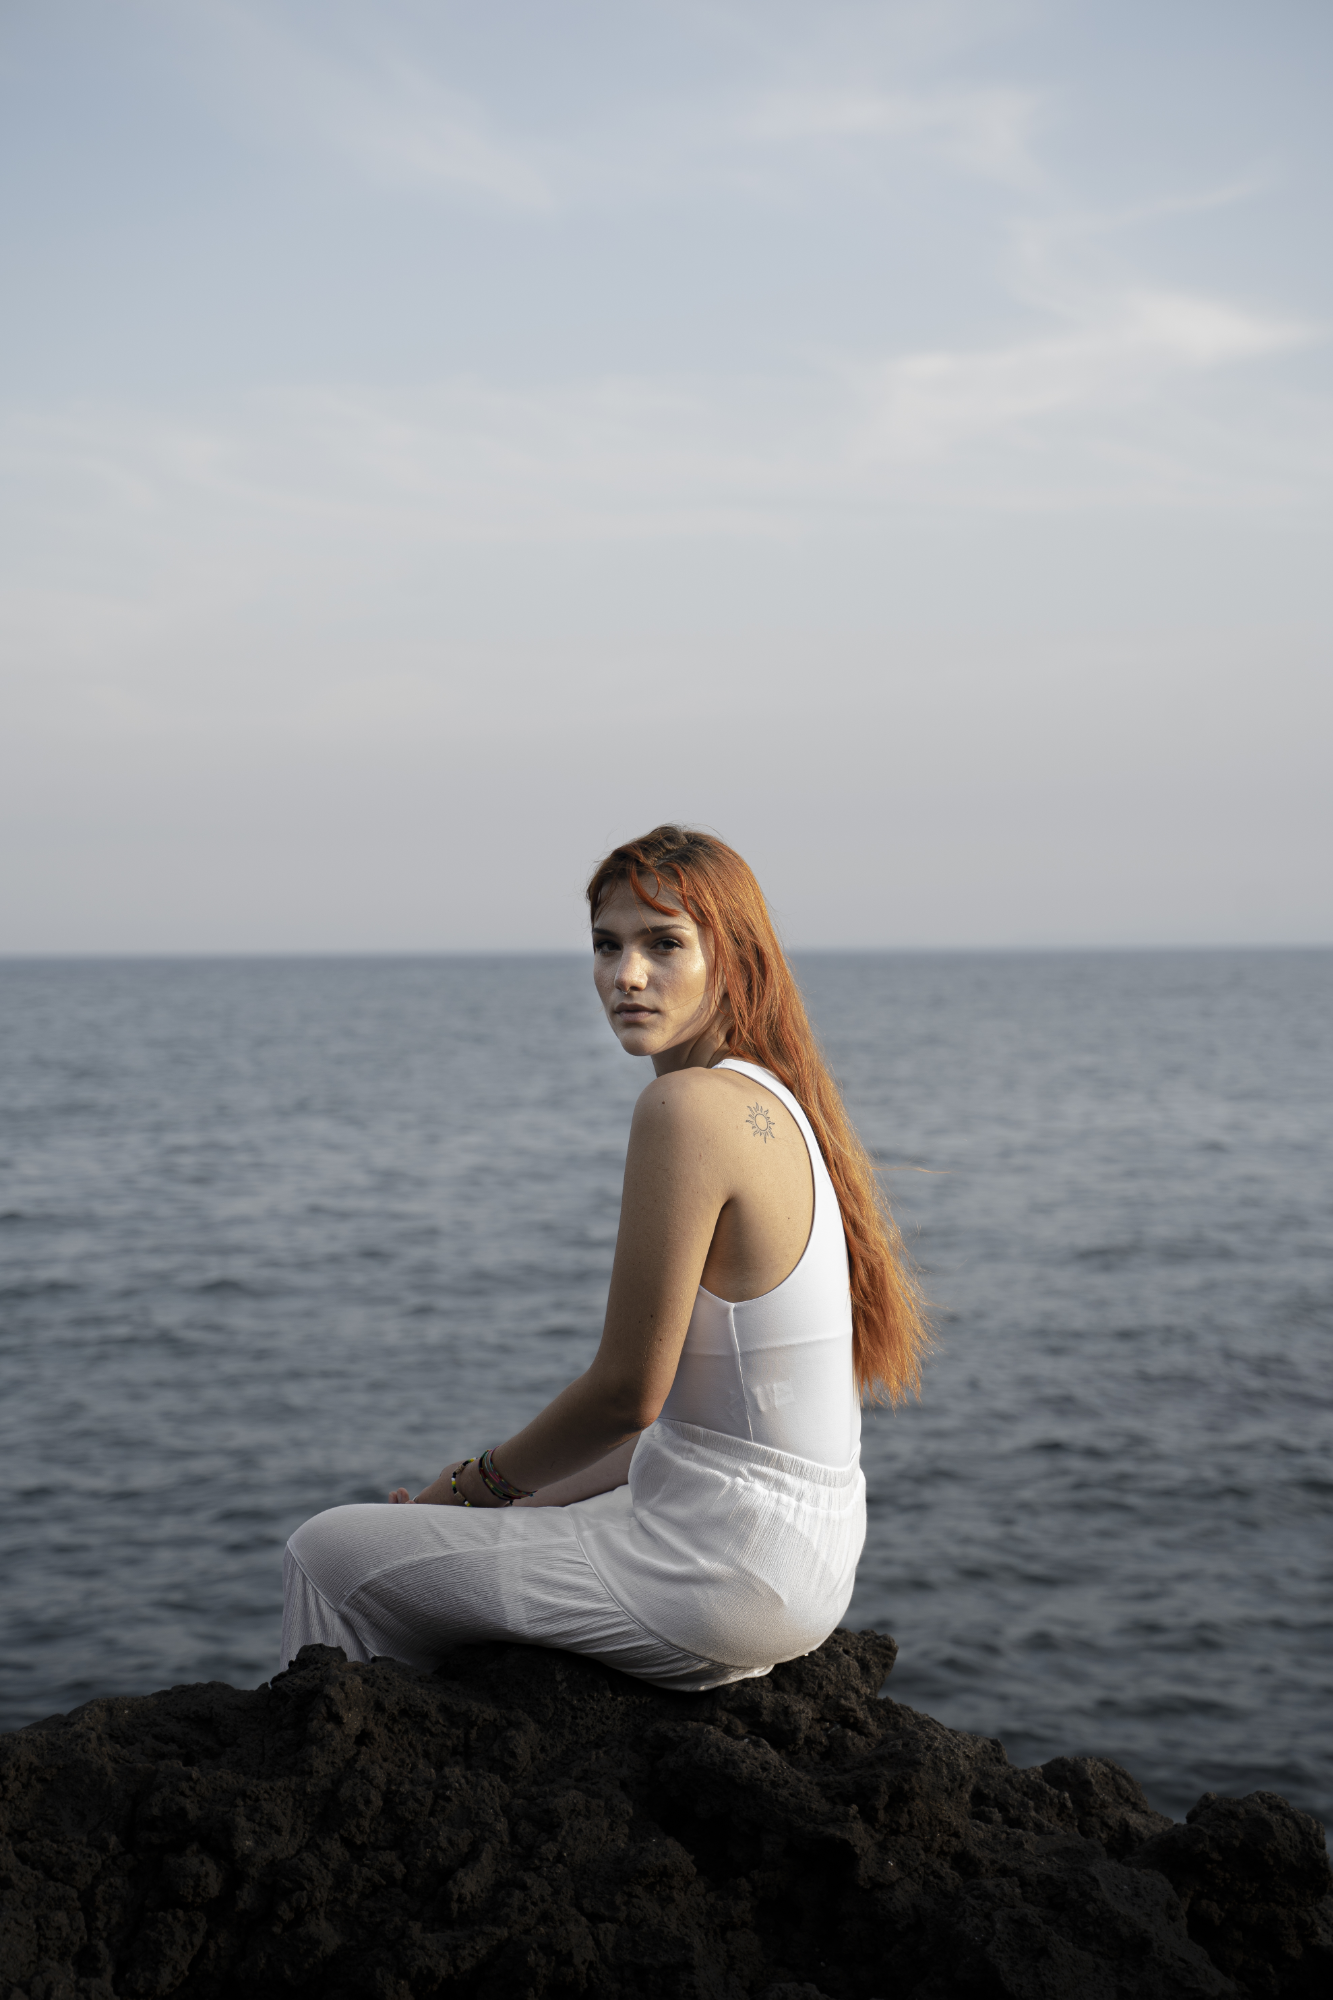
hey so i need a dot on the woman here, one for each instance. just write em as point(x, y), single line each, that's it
point(691, 1509)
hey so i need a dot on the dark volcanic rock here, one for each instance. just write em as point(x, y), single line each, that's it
point(1252, 1876)
point(523, 1823)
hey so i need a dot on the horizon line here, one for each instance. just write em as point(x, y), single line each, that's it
point(417, 954)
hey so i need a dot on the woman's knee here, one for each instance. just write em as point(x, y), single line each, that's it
point(332, 1547)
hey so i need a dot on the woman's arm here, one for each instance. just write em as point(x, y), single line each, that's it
point(602, 1476)
point(679, 1173)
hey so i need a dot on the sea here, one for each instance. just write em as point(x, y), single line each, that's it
point(278, 1234)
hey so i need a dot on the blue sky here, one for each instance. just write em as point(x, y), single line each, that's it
point(438, 441)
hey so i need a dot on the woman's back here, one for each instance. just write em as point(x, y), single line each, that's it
point(777, 1368)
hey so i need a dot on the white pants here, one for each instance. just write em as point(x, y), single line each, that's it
point(409, 1582)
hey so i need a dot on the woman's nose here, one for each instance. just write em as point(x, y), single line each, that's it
point(631, 971)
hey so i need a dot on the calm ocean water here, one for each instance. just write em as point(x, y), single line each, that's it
point(276, 1235)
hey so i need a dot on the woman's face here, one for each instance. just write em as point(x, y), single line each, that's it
point(653, 971)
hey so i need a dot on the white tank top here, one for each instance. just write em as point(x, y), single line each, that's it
point(778, 1369)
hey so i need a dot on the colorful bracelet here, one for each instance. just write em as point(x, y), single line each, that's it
point(497, 1485)
point(453, 1481)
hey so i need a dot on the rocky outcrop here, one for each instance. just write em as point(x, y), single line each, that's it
point(522, 1823)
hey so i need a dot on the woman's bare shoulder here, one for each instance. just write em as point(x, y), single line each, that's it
point(686, 1092)
point(694, 1101)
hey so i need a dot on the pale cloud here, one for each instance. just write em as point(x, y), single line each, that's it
point(368, 86)
point(138, 523)
point(1114, 355)
point(989, 130)
point(408, 130)
point(383, 109)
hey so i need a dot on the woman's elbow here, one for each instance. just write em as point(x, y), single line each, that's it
point(630, 1406)
point(635, 1414)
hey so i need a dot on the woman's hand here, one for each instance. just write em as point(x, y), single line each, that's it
point(472, 1489)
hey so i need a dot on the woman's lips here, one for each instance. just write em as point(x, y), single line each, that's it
point(632, 1013)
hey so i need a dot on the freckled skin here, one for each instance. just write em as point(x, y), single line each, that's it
point(718, 1191)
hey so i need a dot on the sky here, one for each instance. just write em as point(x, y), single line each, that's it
point(439, 441)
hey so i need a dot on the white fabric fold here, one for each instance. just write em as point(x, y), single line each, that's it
point(729, 1549)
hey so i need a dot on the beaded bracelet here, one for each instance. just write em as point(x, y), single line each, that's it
point(497, 1485)
point(453, 1481)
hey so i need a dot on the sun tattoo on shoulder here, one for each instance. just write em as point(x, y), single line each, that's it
point(760, 1121)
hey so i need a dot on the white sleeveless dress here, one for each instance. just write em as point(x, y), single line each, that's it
point(733, 1546)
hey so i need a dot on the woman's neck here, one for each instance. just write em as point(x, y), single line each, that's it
point(706, 1050)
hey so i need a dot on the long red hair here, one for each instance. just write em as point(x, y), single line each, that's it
point(769, 1026)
